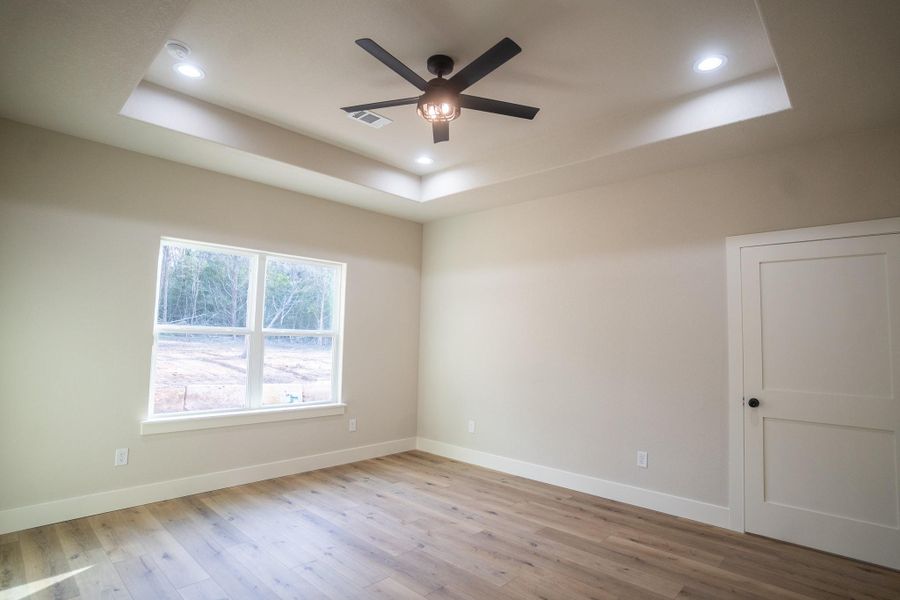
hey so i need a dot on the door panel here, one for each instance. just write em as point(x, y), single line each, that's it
point(821, 321)
point(825, 325)
point(833, 482)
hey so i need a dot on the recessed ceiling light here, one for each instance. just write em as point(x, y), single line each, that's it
point(710, 63)
point(189, 70)
point(424, 160)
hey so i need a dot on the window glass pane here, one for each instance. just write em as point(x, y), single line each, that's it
point(202, 287)
point(199, 372)
point(297, 370)
point(299, 295)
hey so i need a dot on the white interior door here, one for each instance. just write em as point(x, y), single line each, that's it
point(821, 336)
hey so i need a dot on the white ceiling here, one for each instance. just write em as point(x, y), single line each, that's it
point(613, 79)
point(581, 61)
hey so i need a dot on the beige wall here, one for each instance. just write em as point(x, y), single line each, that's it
point(79, 234)
point(579, 329)
point(575, 330)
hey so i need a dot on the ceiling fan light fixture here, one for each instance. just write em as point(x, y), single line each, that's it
point(438, 111)
point(439, 103)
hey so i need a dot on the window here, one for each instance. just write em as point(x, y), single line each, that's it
point(239, 330)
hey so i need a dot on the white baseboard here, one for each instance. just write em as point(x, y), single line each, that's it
point(679, 506)
point(25, 517)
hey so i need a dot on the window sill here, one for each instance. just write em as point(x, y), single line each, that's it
point(244, 417)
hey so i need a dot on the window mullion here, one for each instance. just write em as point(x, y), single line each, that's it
point(302, 332)
point(257, 342)
point(337, 357)
point(200, 329)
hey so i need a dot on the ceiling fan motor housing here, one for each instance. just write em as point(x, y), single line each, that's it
point(440, 65)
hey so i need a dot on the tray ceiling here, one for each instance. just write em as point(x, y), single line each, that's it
point(613, 79)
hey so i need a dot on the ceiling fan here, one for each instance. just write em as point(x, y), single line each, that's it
point(443, 100)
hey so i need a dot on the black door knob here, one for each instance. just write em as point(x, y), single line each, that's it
point(752, 402)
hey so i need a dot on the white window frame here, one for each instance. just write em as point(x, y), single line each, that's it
point(255, 334)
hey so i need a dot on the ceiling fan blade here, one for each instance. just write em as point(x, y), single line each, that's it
point(497, 106)
point(391, 62)
point(504, 50)
point(441, 131)
point(385, 104)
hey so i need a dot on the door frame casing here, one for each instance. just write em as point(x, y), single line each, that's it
point(733, 247)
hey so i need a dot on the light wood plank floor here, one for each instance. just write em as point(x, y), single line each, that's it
point(413, 526)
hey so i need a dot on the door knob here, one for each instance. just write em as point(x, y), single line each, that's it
point(752, 402)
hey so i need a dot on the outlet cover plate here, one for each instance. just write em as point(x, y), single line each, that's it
point(642, 459)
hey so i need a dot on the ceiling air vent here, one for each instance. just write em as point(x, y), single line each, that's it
point(369, 118)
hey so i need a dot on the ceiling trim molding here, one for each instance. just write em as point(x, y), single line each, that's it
point(156, 105)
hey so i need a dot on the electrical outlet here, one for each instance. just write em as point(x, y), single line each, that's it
point(352, 424)
point(642, 459)
point(471, 426)
point(121, 457)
